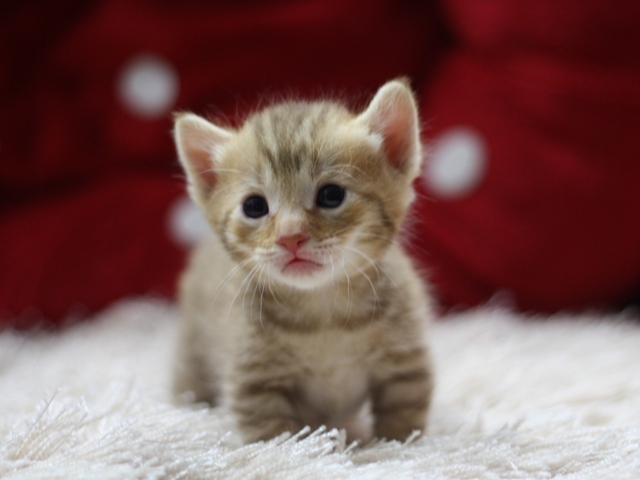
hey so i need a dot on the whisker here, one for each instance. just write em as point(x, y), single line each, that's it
point(254, 272)
point(240, 287)
point(366, 257)
point(390, 241)
point(344, 169)
point(261, 299)
point(376, 299)
point(230, 170)
point(255, 290)
point(335, 299)
point(341, 172)
point(333, 267)
point(379, 268)
point(273, 294)
point(218, 192)
point(260, 285)
point(349, 292)
point(224, 282)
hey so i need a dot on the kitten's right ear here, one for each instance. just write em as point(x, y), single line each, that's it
point(392, 116)
point(199, 143)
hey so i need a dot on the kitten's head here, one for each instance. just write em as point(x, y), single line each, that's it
point(306, 193)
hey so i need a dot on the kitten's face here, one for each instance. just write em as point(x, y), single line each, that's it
point(306, 194)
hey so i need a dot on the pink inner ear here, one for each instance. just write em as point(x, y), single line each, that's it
point(204, 170)
point(201, 161)
point(397, 133)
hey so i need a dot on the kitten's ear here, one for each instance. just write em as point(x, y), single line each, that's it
point(199, 143)
point(393, 117)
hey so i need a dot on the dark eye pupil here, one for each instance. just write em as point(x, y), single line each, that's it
point(330, 196)
point(255, 207)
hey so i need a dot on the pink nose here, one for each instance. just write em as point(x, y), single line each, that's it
point(293, 242)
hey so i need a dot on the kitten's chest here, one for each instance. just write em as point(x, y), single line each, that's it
point(333, 370)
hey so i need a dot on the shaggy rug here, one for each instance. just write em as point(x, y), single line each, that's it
point(516, 398)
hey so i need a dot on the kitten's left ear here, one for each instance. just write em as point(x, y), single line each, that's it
point(199, 143)
point(392, 115)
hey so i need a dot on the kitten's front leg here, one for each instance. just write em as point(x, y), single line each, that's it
point(194, 372)
point(401, 394)
point(264, 408)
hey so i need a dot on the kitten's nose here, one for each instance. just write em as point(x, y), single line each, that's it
point(293, 242)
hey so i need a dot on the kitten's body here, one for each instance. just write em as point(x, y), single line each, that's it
point(302, 315)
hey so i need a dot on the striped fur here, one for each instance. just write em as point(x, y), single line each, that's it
point(285, 348)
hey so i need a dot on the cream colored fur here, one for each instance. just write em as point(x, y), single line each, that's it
point(340, 335)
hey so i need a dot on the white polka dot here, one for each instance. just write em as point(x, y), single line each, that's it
point(456, 163)
point(187, 224)
point(148, 86)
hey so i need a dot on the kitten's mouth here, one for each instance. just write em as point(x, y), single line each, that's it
point(301, 266)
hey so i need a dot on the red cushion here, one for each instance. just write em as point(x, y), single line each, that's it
point(78, 252)
point(87, 177)
point(542, 99)
point(552, 88)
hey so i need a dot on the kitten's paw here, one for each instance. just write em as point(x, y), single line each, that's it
point(400, 427)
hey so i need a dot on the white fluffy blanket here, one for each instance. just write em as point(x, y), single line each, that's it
point(515, 398)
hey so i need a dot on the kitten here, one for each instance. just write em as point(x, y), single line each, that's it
point(303, 308)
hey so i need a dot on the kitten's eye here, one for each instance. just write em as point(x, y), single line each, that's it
point(330, 196)
point(255, 207)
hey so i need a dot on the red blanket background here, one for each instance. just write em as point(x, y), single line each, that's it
point(542, 98)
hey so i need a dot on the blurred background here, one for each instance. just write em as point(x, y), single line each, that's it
point(531, 117)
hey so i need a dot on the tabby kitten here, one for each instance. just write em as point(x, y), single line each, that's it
point(302, 308)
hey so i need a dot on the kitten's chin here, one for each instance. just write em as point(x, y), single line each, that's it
point(300, 267)
point(303, 274)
